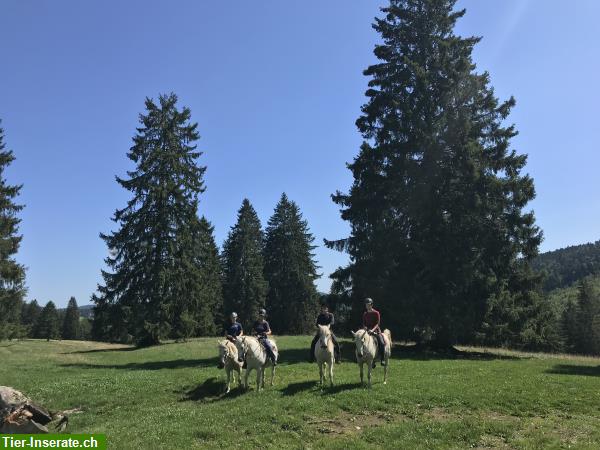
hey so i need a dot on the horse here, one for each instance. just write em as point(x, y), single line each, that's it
point(367, 351)
point(324, 353)
point(257, 359)
point(228, 359)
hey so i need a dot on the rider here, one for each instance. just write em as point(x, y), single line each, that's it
point(233, 330)
point(261, 330)
point(325, 318)
point(371, 319)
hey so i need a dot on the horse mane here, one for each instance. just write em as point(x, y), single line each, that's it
point(324, 328)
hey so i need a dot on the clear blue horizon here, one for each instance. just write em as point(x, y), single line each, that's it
point(275, 88)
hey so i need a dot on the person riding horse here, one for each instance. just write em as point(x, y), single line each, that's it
point(261, 330)
point(371, 320)
point(325, 318)
point(233, 330)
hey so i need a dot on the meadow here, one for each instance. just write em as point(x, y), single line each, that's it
point(171, 396)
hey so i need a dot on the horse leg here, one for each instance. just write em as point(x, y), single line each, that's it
point(320, 373)
point(385, 369)
point(272, 375)
point(258, 379)
point(228, 379)
point(362, 381)
point(239, 376)
point(331, 362)
point(369, 369)
point(246, 378)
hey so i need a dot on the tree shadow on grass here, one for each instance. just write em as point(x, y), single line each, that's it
point(567, 369)
point(152, 365)
point(103, 350)
point(295, 388)
point(399, 352)
point(130, 348)
point(422, 353)
point(211, 390)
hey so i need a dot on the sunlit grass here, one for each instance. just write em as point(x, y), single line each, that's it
point(171, 396)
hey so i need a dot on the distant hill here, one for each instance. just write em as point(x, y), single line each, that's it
point(565, 266)
point(86, 311)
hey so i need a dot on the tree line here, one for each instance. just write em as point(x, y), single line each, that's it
point(49, 322)
point(441, 232)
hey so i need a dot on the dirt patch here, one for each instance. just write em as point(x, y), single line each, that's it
point(347, 423)
point(494, 442)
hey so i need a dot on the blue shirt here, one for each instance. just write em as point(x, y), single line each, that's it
point(261, 327)
point(235, 329)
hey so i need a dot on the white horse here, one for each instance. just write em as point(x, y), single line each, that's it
point(228, 358)
point(367, 351)
point(257, 359)
point(324, 353)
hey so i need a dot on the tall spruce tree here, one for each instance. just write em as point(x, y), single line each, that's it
point(47, 326)
point(437, 217)
point(150, 256)
point(290, 270)
point(199, 315)
point(12, 274)
point(587, 330)
point(70, 325)
point(244, 285)
point(30, 313)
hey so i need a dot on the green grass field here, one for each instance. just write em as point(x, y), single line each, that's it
point(170, 396)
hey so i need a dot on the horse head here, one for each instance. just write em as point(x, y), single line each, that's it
point(223, 353)
point(324, 335)
point(360, 339)
point(240, 344)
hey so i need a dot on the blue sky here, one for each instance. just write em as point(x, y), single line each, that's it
point(275, 88)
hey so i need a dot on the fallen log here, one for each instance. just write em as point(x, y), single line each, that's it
point(19, 415)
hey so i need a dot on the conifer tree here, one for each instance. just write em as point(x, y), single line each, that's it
point(587, 332)
point(29, 316)
point(200, 314)
point(436, 209)
point(144, 289)
point(290, 270)
point(12, 274)
point(244, 285)
point(70, 326)
point(47, 326)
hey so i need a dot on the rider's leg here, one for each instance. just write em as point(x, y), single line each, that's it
point(269, 350)
point(336, 349)
point(311, 357)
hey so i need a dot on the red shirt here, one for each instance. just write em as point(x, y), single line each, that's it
point(371, 319)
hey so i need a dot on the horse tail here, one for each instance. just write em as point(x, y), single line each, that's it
point(388, 334)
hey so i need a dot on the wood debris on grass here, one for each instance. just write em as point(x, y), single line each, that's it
point(19, 415)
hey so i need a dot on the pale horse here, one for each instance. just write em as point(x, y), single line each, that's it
point(324, 353)
point(257, 359)
point(367, 351)
point(228, 359)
